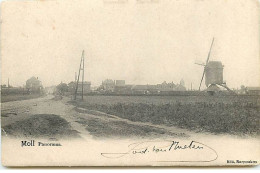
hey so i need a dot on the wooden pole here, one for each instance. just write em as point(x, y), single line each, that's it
point(75, 82)
point(82, 75)
point(76, 90)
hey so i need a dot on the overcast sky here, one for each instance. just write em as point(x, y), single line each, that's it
point(141, 43)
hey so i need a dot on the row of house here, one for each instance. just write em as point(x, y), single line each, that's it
point(120, 87)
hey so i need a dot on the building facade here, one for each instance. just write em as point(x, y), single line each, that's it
point(86, 87)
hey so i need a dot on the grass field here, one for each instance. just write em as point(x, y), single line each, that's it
point(238, 115)
point(101, 99)
point(16, 97)
point(41, 126)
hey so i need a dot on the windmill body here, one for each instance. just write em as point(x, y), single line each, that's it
point(213, 72)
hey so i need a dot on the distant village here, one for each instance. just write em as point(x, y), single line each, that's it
point(107, 87)
point(110, 86)
point(32, 86)
point(120, 87)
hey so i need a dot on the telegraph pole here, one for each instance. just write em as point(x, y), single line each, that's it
point(75, 78)
point(81, 68)
point(75, 83)
point(82, 75)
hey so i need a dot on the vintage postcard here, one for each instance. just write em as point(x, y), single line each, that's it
point(130, 83)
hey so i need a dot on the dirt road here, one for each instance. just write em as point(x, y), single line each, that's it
point(87, 125)
point(51, 119)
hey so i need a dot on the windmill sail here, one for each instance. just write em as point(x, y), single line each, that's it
point(206, 63)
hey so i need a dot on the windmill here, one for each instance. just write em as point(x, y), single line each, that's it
point(213, 72)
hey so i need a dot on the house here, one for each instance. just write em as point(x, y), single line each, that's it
point(86, 87)
point(120, 83)
point(152, 89)
point(139, 89)
point(253, 90)
point(166, 86)
point(126, 89)
point(50, 89)
point(34, 85)
point(108, 85)
point(180, 88)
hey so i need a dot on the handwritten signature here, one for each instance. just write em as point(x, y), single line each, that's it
point(169, 147)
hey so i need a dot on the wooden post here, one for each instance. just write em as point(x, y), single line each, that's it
point(82, 75)
point(80, 68)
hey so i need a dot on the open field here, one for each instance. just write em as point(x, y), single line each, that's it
point(239, 115)
point(16, 97)
point(102, 99)
point(53, 118)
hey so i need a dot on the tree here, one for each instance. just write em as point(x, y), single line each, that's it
point(34, 85)
point(62, 88)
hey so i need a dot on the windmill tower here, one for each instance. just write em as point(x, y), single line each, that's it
point(213, 72)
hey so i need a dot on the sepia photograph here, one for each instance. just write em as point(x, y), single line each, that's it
point(130, 83)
